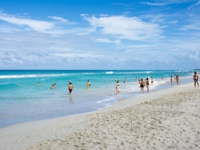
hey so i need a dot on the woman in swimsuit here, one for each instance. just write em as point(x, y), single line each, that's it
point(196, 78)
point(117, 87)
point(142, 85)
point(147, 84)
point(171, 80)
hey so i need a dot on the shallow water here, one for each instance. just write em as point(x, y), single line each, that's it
point(21, 100)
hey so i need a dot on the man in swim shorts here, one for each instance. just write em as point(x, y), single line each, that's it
point(70, 87)
point(195, 78)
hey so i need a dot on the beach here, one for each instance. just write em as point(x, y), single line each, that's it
point(23, 100)
point(166, 119)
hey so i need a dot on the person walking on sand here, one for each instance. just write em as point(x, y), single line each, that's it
point(70, 87)
point(142, 85)
point(196, 78)
point(147, 84)
point(117, 88)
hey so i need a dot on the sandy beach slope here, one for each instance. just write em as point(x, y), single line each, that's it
point(167, 119)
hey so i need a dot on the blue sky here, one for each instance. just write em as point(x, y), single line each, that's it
point(99, 34)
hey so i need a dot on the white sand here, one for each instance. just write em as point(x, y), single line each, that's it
point(167, 119)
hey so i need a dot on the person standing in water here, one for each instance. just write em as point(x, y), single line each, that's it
point(52, 87)
point(70, 87)
point(177, 79)
point(142, 85)
point(196, 78)
point(88, 84)
point(117, 87)
point(151, 80)
point(38, 84)
point(171, 80)
point(124, 80)
point(147, 84)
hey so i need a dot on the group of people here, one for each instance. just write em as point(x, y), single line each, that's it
point(142, 83)
point(70, 86)
point(176, 79)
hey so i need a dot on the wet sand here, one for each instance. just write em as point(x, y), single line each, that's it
point(166, 119)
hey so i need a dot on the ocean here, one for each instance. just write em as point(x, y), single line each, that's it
point(21, 100)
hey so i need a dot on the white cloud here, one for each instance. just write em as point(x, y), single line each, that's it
point(198, 3)
point(196, 56)
point(36, 25)
point(104, 40)
point(174, 22)
point(193, 26)
point(154, 4)
point(164, 2)
point(72, 55)
point(61, 20)
point(122, 27)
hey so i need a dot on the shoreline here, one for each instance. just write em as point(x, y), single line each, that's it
point(116, 98)
point(57, 103)
point(32, 133)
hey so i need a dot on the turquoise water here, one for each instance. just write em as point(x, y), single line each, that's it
point(21, 100)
